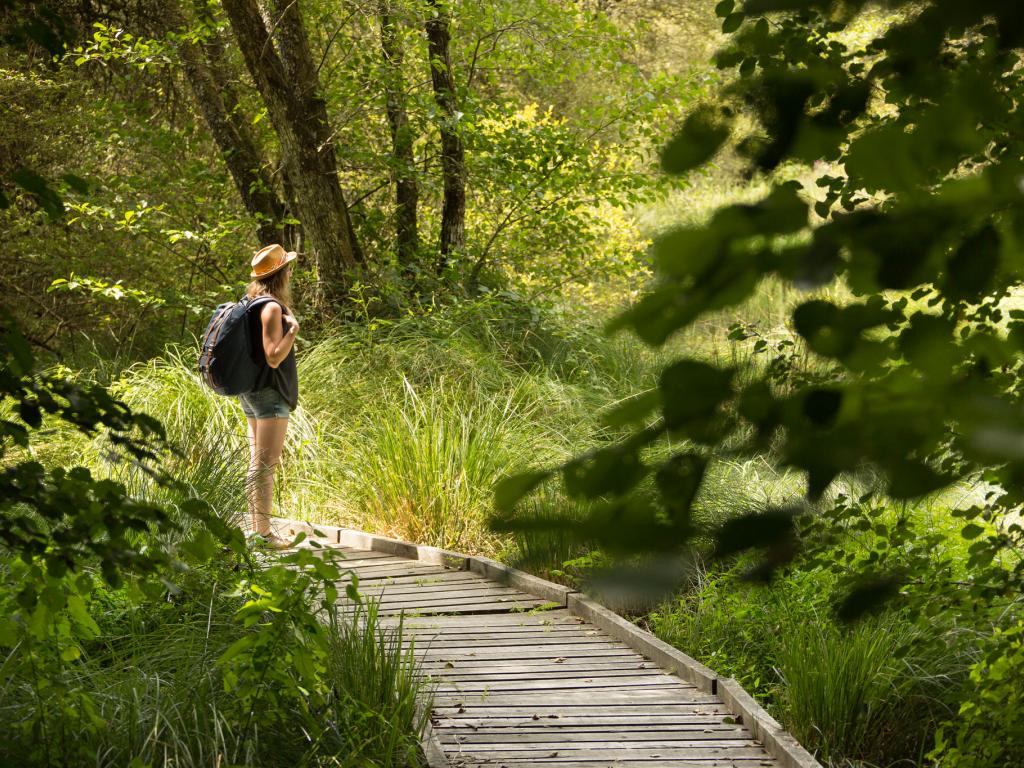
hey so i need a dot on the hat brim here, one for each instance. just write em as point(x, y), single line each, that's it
point(288, 259)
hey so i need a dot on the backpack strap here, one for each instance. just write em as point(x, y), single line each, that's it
point(257, 302)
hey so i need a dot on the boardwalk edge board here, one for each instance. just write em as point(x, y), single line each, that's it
point(658, 651)
point(777, 741)
point(766, 729)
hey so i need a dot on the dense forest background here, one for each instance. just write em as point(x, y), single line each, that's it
point(464, 150)
point(710, 309)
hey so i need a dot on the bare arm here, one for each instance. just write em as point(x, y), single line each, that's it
point(277, 342)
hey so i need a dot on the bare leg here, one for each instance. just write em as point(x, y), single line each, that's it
point(269, 442)
point(250, 489)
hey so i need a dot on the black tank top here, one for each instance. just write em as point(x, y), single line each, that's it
point(284, 378)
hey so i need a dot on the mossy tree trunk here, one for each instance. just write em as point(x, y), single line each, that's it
point(404, 173)
point(282, 68)
point(453, 153)
point(210, 80)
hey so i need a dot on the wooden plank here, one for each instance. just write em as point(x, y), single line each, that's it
point(609, 750)
point(445, 577)
point(349, 555)
point(445, 640)
point(540, 619)
point(454, 608)
point(432, 589)
point(529, 725)
point(364, 567)
point(544, 650)
point(511, 633)
point(515, 667)
point(545, 699)
point(639, 711)
point(464, 678)
point(595, 685)
point(466, 603)
point(440, 665)
point(459, 672)
point(451, 598)
point(370, 572)
point(733, 736)
point(550, 653)
point(630, 762)
point(502, 642)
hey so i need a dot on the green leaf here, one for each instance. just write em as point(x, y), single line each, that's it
point(685, 251)
point(678, 481)
point(692, 390)
point(732, 22)
point(77, 183)
point(236, 648)
point(201, 545)
point(912, 479)
point(37, 187)
point(724, 8)
point(612, 470)
point(633, 409)
point(868, 597)
point(86, 625)
point(352, 592)
point(509, 490)
point(821, 406)
point(971, 531)
point(752, 530)
point(972, 268)
point(702, 134)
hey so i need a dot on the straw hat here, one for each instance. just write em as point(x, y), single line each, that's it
point(271, 259)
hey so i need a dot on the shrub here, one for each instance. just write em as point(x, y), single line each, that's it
point(988, 729)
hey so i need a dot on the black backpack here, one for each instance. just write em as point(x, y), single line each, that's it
point(227, 360)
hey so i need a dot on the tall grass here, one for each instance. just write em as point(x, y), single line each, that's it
point(428, 462)
point(378, 687)
point(875, 691)
point(405, 430)
point(160, 699)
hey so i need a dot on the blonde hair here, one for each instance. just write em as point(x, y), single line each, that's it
point(277, 285)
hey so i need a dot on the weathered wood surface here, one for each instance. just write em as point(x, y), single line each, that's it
point(518, 681)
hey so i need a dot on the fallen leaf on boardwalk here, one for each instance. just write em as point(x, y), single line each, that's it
point(536, 717)
point(553, 754)
point(560, 660)
point(449, 665)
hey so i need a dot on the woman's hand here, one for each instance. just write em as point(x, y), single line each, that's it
point(293, 325)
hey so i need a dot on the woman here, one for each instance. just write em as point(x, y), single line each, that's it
point(277, 386)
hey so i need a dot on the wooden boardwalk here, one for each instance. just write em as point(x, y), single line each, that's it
point(521, 677)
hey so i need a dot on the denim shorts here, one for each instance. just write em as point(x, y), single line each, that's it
point(264, 403)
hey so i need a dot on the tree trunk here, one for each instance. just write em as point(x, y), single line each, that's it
point(209, 81)
point(288, 82)
point(453, 154)
point(406, 190)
